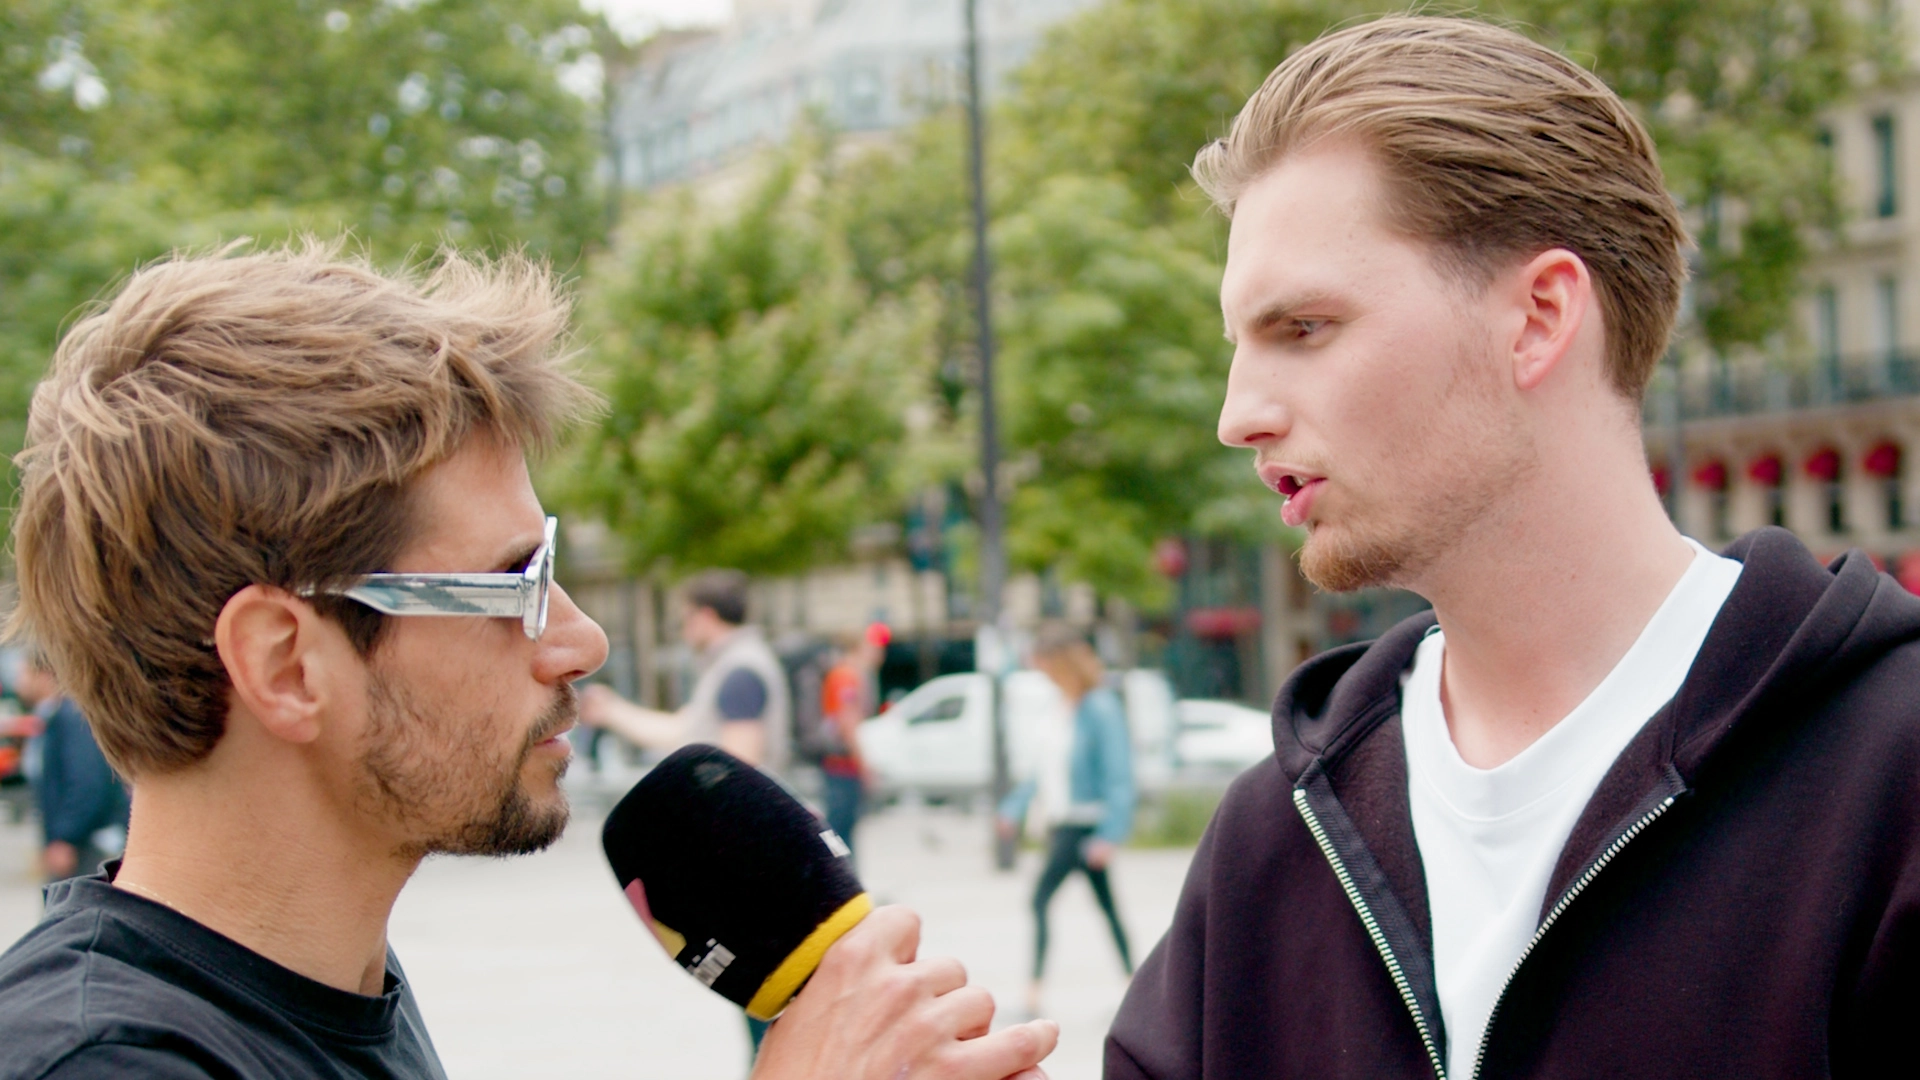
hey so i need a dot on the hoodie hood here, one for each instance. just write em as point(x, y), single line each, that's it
point(1790, 628)
point(1738, 896)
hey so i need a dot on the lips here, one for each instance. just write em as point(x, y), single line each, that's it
point(1299, 502)
point(1296, 486)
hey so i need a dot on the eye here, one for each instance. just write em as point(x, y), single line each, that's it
point(1301, 328)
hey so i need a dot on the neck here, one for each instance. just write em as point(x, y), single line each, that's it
point(241, 859)
point(1543, 601)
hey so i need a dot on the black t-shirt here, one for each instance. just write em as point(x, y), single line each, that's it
point(112, 985)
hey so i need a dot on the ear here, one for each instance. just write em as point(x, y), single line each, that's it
point(1555, 295)
point(280, 658)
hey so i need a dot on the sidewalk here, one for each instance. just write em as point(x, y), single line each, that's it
point(535, 967)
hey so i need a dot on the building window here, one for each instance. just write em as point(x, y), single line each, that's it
point(1886, 172)
point(1883, 464)
point(1887, 316)
point(1824, 467)
point(1826, 339)
point(1711, 477)
point(1767, 473)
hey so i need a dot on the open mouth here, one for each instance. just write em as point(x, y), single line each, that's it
point(1299, 491)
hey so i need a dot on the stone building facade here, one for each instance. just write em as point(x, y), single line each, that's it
point(1817, 433)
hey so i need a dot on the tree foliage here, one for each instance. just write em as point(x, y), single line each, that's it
point(786, 368)
point(1733, 92)
point(129, 128)
point(759, 392)
point(1108, 260)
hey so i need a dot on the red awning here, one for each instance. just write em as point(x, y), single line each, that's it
point(1766, 470)
point(1883, 460)
point(1711, 475)
point(1824, 464)
point(1223, 622)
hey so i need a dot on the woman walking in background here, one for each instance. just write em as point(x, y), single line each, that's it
point(1083, 789)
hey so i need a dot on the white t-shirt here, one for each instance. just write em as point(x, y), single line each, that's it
point(1489, 838)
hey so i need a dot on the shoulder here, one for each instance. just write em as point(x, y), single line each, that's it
point(113, 1061)
point(43, 982)
point(84, 995)
point(742, 695)
point(743, 680)
point(63, 995)
point(1103, 704)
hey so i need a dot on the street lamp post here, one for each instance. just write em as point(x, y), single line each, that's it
point(993, 555)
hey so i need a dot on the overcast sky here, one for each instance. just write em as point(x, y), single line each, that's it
point(635, 19)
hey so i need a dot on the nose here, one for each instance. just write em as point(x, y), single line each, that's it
point(573, 646)
point(1252, 413)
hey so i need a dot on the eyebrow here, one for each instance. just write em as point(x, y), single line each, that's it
point(1278, 311)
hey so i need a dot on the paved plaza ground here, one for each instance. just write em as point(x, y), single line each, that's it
point(535, 967)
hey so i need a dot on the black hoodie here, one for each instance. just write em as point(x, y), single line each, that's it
point(1741, 896)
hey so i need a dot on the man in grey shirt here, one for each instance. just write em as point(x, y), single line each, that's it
point(740, 700)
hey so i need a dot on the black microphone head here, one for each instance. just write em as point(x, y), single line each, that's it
point(744, 886)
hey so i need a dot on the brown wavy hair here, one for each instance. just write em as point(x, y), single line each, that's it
point(1493, 149)
point(254, 417)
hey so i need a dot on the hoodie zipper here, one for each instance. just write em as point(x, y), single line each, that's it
point(1400, 981)
point(1566, 898)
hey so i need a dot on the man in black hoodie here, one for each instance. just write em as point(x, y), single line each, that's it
point(1619, 805)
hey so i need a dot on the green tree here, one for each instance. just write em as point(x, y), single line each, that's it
point(406, 122)
point(759, 392)
point(129, 128)
point(1114, 367)
point(1733, 92)
point(1108, 257)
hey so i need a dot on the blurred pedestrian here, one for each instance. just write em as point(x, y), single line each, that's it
point(739, 702)
point(848, 696)
point(1083, 789)
point(83, 807)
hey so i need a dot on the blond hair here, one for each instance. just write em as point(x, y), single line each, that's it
point(1064, 654)
point(1493, 148)
point(245, 418)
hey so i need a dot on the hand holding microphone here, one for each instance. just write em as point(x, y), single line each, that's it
point(874, 1012)
point(754, 897)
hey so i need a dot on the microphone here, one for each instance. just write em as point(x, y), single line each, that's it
point(743, 886)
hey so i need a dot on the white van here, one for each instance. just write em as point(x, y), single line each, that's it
point(937, 742)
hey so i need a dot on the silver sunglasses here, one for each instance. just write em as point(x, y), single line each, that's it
point(521, 595)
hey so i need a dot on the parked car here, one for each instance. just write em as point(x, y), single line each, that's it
point(1224, 735)
point(937, 741)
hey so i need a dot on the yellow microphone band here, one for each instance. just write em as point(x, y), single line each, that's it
point(785, 981)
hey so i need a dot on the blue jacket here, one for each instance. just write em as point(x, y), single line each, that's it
point(78, 793)
point(1100, 769)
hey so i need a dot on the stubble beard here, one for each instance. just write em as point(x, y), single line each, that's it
point(1464, 470)
point(416, 763)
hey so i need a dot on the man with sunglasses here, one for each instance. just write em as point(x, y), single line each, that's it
point(277, 535)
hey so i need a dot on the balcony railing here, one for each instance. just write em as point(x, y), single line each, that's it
point(1747, 390)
